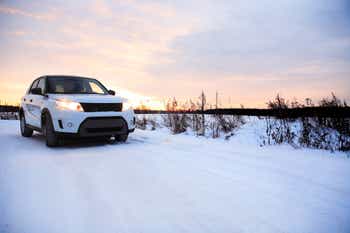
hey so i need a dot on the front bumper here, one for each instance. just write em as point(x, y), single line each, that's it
point(100, 126)
point(86, 124)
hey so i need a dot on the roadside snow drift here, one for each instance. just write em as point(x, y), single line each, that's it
point(157, 182)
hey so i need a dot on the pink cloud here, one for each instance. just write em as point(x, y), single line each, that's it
point(38, 16)
point(17, 33)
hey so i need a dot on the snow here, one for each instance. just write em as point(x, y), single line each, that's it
point(158, 182)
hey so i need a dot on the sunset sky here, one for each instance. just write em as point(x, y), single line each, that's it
point(149, 51)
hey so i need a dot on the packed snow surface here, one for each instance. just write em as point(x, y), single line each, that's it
point(158, 182)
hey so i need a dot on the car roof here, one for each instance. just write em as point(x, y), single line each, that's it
point(64, 76)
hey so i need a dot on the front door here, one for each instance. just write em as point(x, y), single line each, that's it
point(29, 107)
point(37, 103)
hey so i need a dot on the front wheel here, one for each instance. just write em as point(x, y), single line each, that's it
point(52, 139)
point(25, 131)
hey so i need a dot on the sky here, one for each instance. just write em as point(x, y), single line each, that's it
point(149, 51)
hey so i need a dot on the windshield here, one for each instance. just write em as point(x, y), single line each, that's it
point(75, 85)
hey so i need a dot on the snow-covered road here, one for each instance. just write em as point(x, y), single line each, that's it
point(158, 182)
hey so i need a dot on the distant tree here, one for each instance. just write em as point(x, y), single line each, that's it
point(308, 102)
point(278, 103)
point(202, 104)
point(296, 104)
point(334, 101)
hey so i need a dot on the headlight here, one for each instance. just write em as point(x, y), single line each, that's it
point(69, 105)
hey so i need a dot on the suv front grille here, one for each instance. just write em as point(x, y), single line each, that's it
point(102, 126)
point(102, 107)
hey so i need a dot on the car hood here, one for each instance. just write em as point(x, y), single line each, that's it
point(88, 98)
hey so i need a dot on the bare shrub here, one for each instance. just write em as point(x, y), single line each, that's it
point(176, 122)
point(202, 104)
point(215, 126)
point(278, 103)
point(153, 124)
point(278, 131)
point(330, 133)
point(224, 124)
point(197, 118)
point(143, 122)
point(278, 128)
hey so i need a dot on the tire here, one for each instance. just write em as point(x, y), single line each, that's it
point(48, 130)
point(25, 131)
point(122, 137)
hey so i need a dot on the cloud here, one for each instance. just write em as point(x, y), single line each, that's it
point(262, 38)
point(38, 16)
point(116, 48)
point(17, 33)
point(101, 8)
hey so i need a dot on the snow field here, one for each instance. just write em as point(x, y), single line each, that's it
point(158, 182)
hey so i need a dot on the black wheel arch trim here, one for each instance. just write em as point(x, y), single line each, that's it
point(43, 113)
point(20, 111)
point(45, 110)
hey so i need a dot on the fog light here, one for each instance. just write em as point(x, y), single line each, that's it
point(69, 124)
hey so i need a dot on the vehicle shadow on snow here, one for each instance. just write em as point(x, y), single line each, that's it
point(87, 142)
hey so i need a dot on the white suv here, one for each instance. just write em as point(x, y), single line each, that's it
point(59, 106)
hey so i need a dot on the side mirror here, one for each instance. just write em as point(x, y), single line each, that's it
point(37, 91)
point(111, 92)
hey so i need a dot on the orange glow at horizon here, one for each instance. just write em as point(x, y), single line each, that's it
point(11, 93)
point(12, 97)
point(136, 100)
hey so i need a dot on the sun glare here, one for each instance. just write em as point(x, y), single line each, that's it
point(140, 101)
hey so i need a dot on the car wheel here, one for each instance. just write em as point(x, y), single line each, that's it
point(25, 131)
point(122, 137)
point(52, 139)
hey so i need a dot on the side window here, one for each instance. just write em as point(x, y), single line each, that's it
point(95, 89)
point(34, 85)
point(41, 85)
